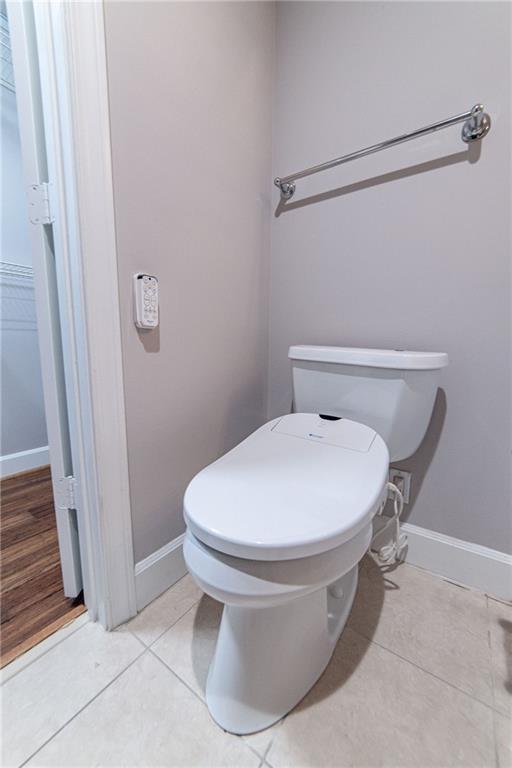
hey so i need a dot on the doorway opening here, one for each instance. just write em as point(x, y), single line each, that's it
point(36, 597)
point(57, 60)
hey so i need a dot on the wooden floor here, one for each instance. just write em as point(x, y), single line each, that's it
point(33, 604)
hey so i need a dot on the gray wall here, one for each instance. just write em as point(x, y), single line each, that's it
point(409, 248)
point(190, 97)
point(23, 423)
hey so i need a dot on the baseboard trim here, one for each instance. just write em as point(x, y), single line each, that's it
point(462, 562)
point(159, 571)
point(23, 461)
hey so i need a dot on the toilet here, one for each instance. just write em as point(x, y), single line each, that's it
point(277, 526)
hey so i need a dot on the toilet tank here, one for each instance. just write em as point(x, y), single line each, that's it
point(392, 391)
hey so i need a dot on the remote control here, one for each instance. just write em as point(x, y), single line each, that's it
point(145, 289)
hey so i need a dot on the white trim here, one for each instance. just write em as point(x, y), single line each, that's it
point(462, 562)
point(159, 571)
point(81, 116)
point(29, 62)
point(9, 269)
point(22, 461)
point(71, 71)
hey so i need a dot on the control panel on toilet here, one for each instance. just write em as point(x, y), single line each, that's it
point(341, 433)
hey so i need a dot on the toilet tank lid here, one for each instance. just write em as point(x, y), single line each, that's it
point(399, 359)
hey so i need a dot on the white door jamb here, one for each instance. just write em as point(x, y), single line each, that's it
point(73, 69)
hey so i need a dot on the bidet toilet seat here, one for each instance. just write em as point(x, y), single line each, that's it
point(298, 486)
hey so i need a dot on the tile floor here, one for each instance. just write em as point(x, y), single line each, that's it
point(422, 676)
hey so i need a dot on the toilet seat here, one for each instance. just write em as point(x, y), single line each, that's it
point(298, 486)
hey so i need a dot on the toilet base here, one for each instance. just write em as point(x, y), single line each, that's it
point(267, 659)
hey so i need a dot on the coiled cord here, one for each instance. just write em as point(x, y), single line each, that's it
point(390, 553)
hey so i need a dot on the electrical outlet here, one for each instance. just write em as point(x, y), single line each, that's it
point(402, 480)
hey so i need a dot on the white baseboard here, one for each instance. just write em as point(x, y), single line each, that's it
point(460, 561)
point(159, 571)
point(22, 461)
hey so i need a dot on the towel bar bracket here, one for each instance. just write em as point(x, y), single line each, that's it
point(287, 188)
point(477, 124)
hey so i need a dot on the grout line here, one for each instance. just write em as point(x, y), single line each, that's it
point(499, 600)
point(44, 653)
point(203, 702)
point(165, 630)
point(151, 651)
point(426, 671)
point(496, 707)
point(79, 711)
point(447, 580)
point(277, 726)
point(243, 741)
point(194, 605)
point(271, 742)
point(495, 742)
point(489, 644)
point(254, 751)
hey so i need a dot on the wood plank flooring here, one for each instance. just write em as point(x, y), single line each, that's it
point(33, 604)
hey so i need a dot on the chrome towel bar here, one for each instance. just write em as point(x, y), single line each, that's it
point(477, 124)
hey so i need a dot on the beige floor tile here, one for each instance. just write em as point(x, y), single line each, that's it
point(188, 648)
point(260, 742)
point(436, 625)
point(163, 612)
point(372, 708)
point(503, 734)
point(500, 631)
point(147, 717)
point(43, 647)
point(41, 698)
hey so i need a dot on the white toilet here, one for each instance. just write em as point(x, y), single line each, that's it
point(277, 526)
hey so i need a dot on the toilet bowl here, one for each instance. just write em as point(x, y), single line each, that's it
point(275, 530)
point(276, 527)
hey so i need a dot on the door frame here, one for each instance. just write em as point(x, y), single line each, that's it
point(72, 63)
point(46, 245)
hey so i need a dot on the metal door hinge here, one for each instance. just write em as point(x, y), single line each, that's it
point(65, 493)
point(39, 204)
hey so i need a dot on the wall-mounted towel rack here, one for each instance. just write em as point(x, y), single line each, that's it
point(477, 124)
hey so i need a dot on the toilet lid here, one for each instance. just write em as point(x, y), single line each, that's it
point(298, 486)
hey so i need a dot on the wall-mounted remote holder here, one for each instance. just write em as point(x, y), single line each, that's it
point(145, 293)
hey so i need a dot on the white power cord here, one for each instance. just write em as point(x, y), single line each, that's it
point(390, 553)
